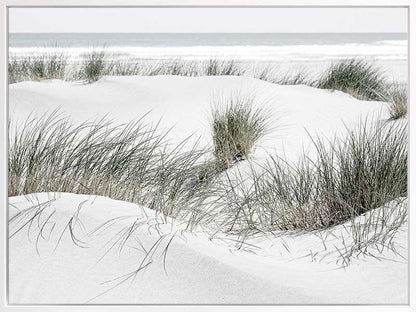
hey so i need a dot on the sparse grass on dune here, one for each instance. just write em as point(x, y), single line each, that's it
point(93, 66)
point(299, 78)
point(123, 68)
point(131, 162)
point(374, 231)
point(217, 67)
point(266, 73)
point(178, 67)
point(396, 96)
point(50, 66)
point(356, 77)
point(173, 67)
point(273, 75)
point(97, 64)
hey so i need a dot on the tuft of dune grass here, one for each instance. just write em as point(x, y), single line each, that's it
point(365, 82)
point(396, 96)
point(356, 77)
point(123, 68)
point(218, 67)
point(93, 66)
point(365, 171)
point(236, 126)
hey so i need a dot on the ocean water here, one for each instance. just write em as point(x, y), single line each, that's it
point(311, 50)
point(217, 39)
point(196, 46)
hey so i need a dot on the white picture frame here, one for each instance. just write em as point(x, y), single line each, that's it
point(6, 4)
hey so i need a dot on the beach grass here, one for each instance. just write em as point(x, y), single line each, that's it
point(236, 125)
point(363, 81)
point(396, 96)
point(349, 177)
point(297, 78)
point(50, 66)
point(131, 162)
point(218, 67)
point(356, 77)
point(93, 66)
point(366, 171)
point(123, 68)
point(374, 232)
point(274, 75)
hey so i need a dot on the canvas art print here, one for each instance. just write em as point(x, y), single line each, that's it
point(207, 155)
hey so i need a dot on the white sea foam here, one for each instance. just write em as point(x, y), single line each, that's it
point(242, 52)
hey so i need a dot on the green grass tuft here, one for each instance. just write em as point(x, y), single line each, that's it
point(217, 67)
point(131, 162)
point(236, 126)
point(51, 66)
point(355, 77)
point(396, 96)
point(93, 66)
point(349, 177)
point(364, 172)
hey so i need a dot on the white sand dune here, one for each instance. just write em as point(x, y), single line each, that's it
point(48, 266)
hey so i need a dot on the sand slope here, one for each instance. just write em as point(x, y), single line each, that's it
point(48, 266)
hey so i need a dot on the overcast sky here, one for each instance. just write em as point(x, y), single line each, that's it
point(196, 20)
